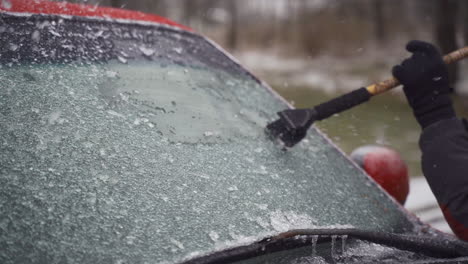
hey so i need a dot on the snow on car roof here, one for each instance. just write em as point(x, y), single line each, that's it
point(64, 8)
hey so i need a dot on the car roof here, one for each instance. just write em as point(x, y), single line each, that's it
point(64, 8)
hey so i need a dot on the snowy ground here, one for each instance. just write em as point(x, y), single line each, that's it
point(328, 73)
point(322, 73)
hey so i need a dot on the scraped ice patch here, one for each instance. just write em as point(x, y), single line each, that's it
point(284, 221)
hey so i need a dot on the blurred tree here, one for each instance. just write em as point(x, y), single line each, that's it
point(445, 31)
point(233, 32)
point(190, 10)
point(379, 20)
point(464, 16)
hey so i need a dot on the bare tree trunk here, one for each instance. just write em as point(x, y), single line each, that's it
point(379, 26)
point(190, 7)
point(233, 34)
point(290, 28)
point(445, 32)
point(464, 16)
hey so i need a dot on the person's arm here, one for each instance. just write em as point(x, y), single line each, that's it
point(444, 141)
point(445, 164)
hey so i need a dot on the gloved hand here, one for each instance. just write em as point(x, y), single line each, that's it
point(425, 82)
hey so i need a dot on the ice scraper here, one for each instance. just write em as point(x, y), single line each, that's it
point(293, 124)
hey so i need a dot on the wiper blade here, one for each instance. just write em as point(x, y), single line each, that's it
point(429, 246)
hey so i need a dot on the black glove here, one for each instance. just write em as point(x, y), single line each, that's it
point(425, 82)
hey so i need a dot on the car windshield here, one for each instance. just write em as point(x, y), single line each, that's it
point(149, 146)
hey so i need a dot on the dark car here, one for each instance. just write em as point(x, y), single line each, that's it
point(126, 138)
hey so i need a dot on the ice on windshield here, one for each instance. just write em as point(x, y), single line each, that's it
point(160, 162)
point(155, 160)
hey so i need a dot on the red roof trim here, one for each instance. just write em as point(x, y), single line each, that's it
point(64, 8)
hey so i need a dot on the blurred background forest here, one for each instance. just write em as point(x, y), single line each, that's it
point(315, 27)
point(313, 50)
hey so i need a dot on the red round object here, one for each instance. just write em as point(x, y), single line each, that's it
point(64, 8)
point(386, 167)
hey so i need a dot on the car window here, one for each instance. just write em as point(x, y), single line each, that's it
point(154, 152)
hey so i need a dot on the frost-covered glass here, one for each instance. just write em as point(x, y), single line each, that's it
point(150, 148)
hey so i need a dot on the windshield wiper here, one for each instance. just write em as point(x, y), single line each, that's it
point(436, 247)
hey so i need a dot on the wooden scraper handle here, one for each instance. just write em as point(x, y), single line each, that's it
point(391, 83)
